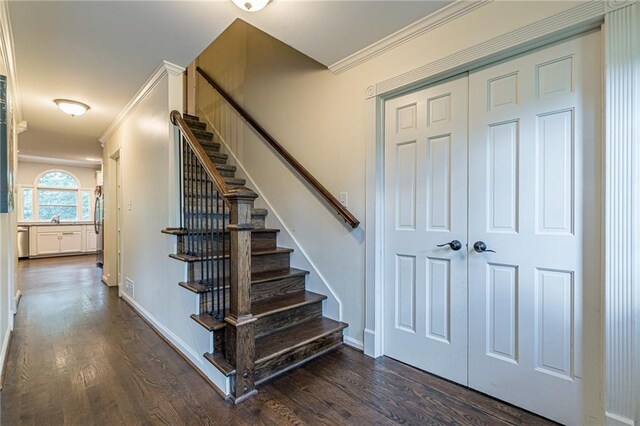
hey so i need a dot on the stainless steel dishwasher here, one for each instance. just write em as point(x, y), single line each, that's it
point(23, 242)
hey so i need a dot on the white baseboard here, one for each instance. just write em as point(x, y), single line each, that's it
point(180, 345)
point(16, 301)
point(616, 420)
point(4, 354)
point(105, 281)
point(354, 343)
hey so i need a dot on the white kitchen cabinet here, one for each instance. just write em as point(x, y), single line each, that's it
point(58, 239)
point(70, 242)
point(47, 243)
point(92, 240)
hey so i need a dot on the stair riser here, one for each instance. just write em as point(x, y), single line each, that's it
point(267, 369)
point(202, 176)
point(269, 262)
point(262, 263)
point(259, 242)
point(282, 320)
point(200, 187)
point(258, 221)
point(196, 125)
point(280, 287)
point(259, 291)
point(209, 302)
point(203, 135)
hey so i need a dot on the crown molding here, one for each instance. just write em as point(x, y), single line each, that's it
point(411, 31)
point(165, 68)
point(6, 46)
point(58, 161)
point(572, 21)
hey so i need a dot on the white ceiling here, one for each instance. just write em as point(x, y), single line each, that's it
point(101, 52)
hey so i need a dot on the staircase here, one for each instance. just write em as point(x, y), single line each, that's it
point(281, 326)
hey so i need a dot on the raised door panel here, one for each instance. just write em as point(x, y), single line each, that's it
point(535, 199)
point(48, 243)
point(71, 242)
point(425, 284)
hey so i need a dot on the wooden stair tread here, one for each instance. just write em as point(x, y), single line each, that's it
point(220, 363)
point(188, 258)
point(194, 286)
point(277, 304)
point(260, 277)
point(279, 343)
point(190, 117)
point(209, 322)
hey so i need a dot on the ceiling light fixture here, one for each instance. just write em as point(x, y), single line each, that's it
point(73, 108)
point(251, 5)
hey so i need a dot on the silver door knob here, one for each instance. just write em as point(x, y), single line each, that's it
point(481, 247)
point(454, 245)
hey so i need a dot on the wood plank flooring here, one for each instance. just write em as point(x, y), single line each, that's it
point(81, 356)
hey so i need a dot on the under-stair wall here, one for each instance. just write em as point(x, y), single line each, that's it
point(145, 141)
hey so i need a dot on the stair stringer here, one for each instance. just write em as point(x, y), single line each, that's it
point(316, 282)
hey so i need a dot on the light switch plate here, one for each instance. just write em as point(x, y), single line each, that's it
point(344, 199)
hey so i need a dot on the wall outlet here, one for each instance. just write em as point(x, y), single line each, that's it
point(129, 287)
point(344, 199)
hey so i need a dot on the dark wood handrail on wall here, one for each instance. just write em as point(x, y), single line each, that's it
point(315, 184)
point(190, 138)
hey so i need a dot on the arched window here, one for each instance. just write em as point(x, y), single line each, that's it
point(57, 195)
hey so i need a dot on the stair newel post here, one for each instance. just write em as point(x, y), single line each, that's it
point(239, 333)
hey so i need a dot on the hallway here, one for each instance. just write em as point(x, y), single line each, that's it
point(80, 356)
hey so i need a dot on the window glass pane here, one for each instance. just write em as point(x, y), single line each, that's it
point(86, 198)
point(59, 179)
point(66, 213)
point(27, 203)
point(53, 197)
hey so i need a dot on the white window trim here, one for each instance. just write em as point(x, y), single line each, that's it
point(34, 194)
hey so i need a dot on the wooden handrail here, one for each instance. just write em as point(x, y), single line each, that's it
point(315, 184)
point(209, 167)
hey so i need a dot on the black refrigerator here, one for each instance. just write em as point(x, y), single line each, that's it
point(98, 223)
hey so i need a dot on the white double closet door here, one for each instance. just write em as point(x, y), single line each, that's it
point(492, 240)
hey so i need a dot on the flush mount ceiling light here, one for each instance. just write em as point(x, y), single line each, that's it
point(73, 108)
point(251, 5)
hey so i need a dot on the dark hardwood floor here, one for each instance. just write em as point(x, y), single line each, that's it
point(81, 356)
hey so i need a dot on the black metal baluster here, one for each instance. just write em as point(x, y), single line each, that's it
point(189, 200)
point(212, 249)
point(224, 251)
point(218, 256)
point(181, 180)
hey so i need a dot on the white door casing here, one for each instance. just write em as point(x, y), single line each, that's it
point(535, 197)
point(426, 204)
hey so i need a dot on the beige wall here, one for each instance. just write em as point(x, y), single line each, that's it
point(28, 172)
point(321, 119)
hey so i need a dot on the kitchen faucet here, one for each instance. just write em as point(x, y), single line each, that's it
point(55, 219)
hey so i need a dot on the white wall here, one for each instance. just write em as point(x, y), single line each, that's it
point(145, 142)
point(8, 234)
point(321, 118)
point(28, 172)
